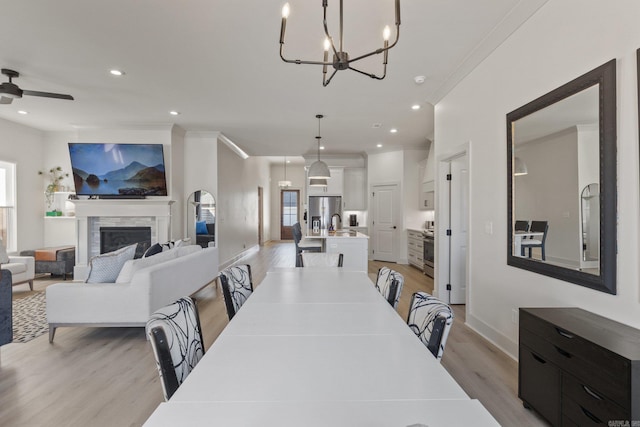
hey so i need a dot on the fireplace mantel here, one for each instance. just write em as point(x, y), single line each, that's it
point(158, 213)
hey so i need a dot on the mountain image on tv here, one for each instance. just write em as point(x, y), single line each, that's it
point(118, 169)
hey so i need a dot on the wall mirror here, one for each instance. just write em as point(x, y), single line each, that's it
point(201, 218)
point(561, 163)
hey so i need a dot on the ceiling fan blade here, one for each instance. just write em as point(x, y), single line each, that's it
point(5, 100)
point(47, 94)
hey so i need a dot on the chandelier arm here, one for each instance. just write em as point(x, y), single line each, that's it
point(381, 50)
point(326, 31)
point(325, 83)
point(299, 61)
point(373, 76)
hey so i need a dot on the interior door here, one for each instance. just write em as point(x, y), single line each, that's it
point(458, 223)
point(289, 208)
point(385, 222)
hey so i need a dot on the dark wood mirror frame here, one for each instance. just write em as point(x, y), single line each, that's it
point(605, 77)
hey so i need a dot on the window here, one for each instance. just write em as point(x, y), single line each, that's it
point(8, 205)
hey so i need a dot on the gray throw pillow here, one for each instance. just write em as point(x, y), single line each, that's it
point(105, 268)
point(4, 257)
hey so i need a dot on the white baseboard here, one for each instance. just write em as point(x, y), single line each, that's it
point(496, 338)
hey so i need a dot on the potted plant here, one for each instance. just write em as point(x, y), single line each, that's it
point(55, 175)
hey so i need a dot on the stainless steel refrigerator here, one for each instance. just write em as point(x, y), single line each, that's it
point(322, 208)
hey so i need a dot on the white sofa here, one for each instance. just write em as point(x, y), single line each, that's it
point(130, 303)
point(22, 268)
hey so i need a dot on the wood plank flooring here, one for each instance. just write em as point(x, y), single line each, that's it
point(107, 376)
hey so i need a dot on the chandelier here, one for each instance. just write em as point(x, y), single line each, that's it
point(341, 60)
point(285, 183)
point(319, 171)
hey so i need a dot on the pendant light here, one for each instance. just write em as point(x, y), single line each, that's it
point(317, 182)
point(319, 169)
point(285, 183)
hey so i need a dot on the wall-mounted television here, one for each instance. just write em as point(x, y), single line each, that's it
point(118, 169)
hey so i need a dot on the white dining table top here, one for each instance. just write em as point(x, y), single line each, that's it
point(432, 413)
point(319, 347)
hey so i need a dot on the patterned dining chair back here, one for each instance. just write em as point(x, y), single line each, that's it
point(389, 283)
point(176, 338)
point(430, 319)
point(237, 286)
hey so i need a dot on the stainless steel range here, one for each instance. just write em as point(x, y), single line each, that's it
point(428, 252)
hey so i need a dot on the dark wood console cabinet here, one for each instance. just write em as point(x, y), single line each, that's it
point(579, 369)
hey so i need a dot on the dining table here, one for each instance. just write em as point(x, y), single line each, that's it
point(518, 236)
point(319, 347)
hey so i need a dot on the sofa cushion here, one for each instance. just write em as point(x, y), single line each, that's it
point(15, 267)
point(4, 257)
point(105, 268)
point(186, 250)
point(131, 266)
point(153, 250)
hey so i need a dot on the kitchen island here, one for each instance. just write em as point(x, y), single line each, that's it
point(353, 245)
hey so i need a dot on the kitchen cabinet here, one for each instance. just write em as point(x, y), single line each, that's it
point(578, 368)
point(355, 191)
point(334, 184)
point(415, 248)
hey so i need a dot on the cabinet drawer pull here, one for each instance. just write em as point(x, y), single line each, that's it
point(591, 416)
point(538, 358)
point(591, 392)
point(563, 352)
point(564, 333)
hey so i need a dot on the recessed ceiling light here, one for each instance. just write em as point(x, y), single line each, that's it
point(393, 130)
point(322, 147)
point(174, 113)
point(116, 73)
point(419, 79)
point(415, 107)
point(379, 145)
point(22, 112)
point(377, 125)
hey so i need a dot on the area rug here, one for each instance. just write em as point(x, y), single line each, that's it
point(29, 317)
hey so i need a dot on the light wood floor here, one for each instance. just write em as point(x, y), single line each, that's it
point(107, 376)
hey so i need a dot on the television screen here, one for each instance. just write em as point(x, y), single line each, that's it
point(118, 169)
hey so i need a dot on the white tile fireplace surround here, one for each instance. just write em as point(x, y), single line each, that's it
point(93, 214)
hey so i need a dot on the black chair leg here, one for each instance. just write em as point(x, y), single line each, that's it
point(543, 256)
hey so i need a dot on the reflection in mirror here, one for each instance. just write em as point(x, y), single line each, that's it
point(201, 218)
point(557, 146)
point(562, 182)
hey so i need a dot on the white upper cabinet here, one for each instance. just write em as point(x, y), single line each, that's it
point(334, 184)
point(355, 189)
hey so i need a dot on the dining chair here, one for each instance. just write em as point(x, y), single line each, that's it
point(430, 319)
point(389, 283)
point(322, 259)
point(176, 339)
point(237, 286)
point(536, 227)
point(302, 244)
point(521, 225)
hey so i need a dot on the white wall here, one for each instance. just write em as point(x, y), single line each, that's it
point(23, 146)
point(562, 41)
point(237, 202)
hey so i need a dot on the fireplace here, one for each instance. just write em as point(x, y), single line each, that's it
point(113, 238)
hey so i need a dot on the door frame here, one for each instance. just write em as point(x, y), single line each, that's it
point(397, 212)
point(442, 246)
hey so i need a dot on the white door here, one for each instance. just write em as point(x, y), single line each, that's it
point(458, 224)
point(386, 218)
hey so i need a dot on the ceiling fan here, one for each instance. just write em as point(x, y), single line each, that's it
point(9, 90)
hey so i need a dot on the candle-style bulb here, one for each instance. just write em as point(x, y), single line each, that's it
point(285, 10)
point(327, 44)
point(386, 33)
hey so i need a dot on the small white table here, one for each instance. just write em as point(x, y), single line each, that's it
point(318, 347)
point(519, 235)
